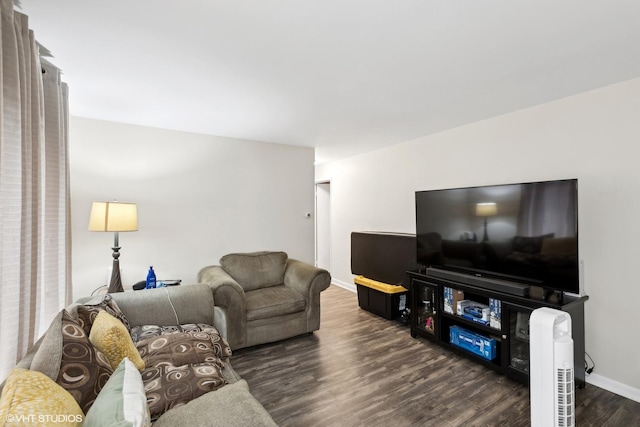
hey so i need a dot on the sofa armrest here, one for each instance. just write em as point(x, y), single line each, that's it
point(306, 279)
point(173, 305)
point(309, 281)
point(230, 297)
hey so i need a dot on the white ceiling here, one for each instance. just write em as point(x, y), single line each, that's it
point(344, 76)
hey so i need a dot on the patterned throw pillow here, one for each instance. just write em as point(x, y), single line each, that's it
point(87, 313)
point(111, 337)
point(177, 349)
point(183, 363)
point(169, 386)
point(32, 398)
point(122, 401)
point(219, 344)
point(83, 369)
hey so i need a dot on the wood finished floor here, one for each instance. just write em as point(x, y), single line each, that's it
point(362, 370)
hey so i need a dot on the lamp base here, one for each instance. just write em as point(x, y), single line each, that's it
point(485, 236)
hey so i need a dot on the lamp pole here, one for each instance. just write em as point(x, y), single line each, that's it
point(115, 285)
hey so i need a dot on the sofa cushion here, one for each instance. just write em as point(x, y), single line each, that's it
point(122, 401)
point(233, 405)
point(181, 366)
point(177, 349)
point(33, 394)
point(256, 270)
point(219, 344)
point(561, 246)
point(169, 386)
point(529, 245)
point(83, 369)
point(111, 337)
point(46, 354)
point(273, 301)
point(496, 250)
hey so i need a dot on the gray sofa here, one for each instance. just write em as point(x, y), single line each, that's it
point(263, 297)
point(231, 404)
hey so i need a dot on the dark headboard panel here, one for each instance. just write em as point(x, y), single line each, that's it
point(383, 256)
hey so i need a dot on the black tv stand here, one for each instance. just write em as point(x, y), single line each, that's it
point(553, 296)
point(435, 316)
point(498, 285)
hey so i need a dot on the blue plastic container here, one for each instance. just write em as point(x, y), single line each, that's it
point(473, 342)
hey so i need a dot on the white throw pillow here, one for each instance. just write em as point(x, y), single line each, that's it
point(121, 401)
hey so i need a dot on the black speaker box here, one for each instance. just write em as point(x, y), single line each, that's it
point(384, 257)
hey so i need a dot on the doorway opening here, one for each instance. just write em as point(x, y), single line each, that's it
point(323, 225)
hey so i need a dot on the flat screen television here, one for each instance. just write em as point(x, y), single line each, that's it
point(525, 233)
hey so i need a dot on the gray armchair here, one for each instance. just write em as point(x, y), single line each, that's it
point(264, 297)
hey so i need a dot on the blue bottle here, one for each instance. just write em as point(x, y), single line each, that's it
point(151, 278)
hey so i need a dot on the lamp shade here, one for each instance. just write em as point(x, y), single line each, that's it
point(486, 209)
point(113, 216)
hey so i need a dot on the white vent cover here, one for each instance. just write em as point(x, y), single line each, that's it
point(551, 376)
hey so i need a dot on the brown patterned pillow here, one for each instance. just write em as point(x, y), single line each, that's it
point(87, 313)
point(199, 330)
point(220, 345)
point(177, 349)
point(138, 333)
point(83, 369)
point(169, 386)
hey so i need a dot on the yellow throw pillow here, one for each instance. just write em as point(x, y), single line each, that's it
point(111, 337)
point(32, 398)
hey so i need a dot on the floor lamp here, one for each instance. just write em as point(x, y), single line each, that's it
point(486, 210)
point(116, 217)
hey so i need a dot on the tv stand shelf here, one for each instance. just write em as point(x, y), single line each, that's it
point(495, 329)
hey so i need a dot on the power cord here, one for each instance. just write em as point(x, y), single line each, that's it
point(97, 289)
point(172, 307)
point(588, 369)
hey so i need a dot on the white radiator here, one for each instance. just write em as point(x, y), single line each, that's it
point(551, 376)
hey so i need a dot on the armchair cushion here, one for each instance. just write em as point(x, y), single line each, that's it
point(256, 270)
point(273, 301)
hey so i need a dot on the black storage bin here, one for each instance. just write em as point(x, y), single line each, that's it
point(381, 303)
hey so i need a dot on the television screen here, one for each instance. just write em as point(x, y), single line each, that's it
point(527, 233)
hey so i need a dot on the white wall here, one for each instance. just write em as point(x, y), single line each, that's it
point(199, 197)
point(594, 137)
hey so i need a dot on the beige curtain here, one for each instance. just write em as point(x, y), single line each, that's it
point(35, 237)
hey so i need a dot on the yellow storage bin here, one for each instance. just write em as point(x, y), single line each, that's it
point(380, 298)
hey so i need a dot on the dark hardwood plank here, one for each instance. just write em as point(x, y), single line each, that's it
point(360, 369)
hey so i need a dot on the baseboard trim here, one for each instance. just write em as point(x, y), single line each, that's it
point(614, 387)
point(348, 286)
